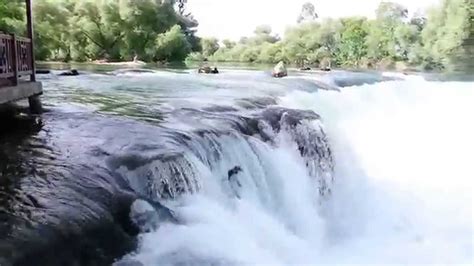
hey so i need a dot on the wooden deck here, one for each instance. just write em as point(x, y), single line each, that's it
point(17, 66)
point(21, 91)
point(17, 71)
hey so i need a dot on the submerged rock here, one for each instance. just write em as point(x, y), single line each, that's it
point(279, 70)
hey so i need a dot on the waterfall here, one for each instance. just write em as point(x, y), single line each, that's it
point(351, 188)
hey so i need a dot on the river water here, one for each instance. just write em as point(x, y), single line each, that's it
point(240, 169)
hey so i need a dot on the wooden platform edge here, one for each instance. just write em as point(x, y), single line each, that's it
point(22, 91)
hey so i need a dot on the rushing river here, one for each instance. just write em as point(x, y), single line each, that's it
point(176, 168)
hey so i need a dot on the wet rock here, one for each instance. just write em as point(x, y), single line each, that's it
point(128, 262)
point(208, 70)
point(325, 64)
point(158, 176)
point(43, 71)
point(72, 72)
point(141, 215)
point(256, 102)
point(279, 70)
point(220, 109)
point(144, 216)
point(276, 116)
point(305, 68)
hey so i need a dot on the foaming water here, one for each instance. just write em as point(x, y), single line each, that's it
point(402, 192)
point(404, 184)
point(233, 169)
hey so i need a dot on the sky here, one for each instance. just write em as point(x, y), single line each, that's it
point(232, 19)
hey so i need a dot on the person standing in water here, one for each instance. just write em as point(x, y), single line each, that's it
point(232, 177)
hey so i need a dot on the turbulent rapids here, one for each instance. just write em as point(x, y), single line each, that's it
point(171, 168)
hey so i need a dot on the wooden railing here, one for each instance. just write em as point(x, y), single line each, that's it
point(16, 58)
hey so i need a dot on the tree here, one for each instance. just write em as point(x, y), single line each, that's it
point(381, 41)
point(441, 38)
point(106, 29)
point(263, 33)
point(390, 11)
point(448, 35)
point(54, 31)
point(352, 47)
point(228, 44)
point(171, 45)
point(11, 15)
point(308, 13)
point(405, 36)
point(209, 46)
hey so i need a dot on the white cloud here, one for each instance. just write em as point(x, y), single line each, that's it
point(235, 18)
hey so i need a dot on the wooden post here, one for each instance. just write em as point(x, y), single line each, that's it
point(14, 60)
point(35, 104)
point(29, 25)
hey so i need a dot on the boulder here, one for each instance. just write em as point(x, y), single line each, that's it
point(325, 64)
point(279, 70)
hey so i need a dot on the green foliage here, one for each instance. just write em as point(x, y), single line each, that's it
point(352, 46)
point(441, 40)
point(104, 29)
point(228, 44)
point(448, 35)
point(171, 45)
point(11, 15)
point(153, 31)
point(209, 46)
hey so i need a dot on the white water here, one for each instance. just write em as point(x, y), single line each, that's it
point(403, 191)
